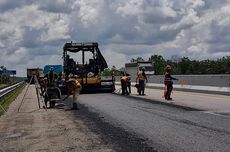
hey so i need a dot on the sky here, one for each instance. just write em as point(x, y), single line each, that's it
point(33, 32)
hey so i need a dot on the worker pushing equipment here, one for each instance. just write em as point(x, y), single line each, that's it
point(74, 88)
point(51, 90)
point(51, 77)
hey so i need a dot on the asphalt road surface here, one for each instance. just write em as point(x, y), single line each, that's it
point(109, 123)
point(157, 127)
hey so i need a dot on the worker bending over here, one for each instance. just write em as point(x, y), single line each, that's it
point(74, 88)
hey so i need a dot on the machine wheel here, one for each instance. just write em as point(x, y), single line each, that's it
point(52, 104)
point(46, 100)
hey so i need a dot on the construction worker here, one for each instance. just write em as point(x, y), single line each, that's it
point(168, 82)
point(74, 88)
point(43, 84)
point(141, 76)
point(128, 83)
point(51, 77)
point(124, 80)
point(61, 79)
point(50, 90)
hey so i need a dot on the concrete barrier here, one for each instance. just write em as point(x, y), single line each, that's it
point(199, 80)
point(201, 83)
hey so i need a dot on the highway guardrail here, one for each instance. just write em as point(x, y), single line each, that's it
point(9, 89)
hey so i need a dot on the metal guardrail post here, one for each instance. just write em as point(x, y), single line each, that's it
point(2, 108)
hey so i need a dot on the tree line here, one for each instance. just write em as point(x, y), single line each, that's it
point(5, 79)
point(180, 66)
point(186, 66)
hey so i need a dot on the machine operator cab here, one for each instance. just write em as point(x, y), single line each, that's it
point(76, 60)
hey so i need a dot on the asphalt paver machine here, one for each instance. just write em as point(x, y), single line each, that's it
point(88, 71)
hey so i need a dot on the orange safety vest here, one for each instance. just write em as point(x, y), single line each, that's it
point(72, 85)
point(140, 76)
point(125, 78)
point(168, 79)
point(77, 84)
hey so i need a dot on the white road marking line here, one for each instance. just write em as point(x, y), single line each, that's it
point(216, 114)
point(207, 96)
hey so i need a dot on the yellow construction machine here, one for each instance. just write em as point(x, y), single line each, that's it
point(87, 68)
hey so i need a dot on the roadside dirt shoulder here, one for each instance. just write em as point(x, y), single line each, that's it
point(34, 129)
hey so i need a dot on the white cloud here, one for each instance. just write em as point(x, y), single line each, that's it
point(189, 19)
point(196, 3)
point(88, 11)
point(115, 59)
point(17, 56)
point(131, 7)
point(53, 26)
point(58, 29)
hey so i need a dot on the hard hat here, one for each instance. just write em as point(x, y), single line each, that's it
point(143, 69)
point(168, 67)
point(45, 78)
point(90, 74)
point(71, 75)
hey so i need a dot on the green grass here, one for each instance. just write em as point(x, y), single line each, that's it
point(2, 85)
point(8, 99)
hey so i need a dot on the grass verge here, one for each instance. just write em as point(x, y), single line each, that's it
point(2, 85)
point(8, 99)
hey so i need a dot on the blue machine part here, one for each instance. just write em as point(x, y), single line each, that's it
point(55, 68)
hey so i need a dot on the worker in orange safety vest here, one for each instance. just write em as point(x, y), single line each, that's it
point(74, 89)
point(141, 76)
point(124, 81)
point(168, 82)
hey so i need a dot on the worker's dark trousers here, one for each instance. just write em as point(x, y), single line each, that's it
point(129, 87)
point(169, 90)
point(142, 87)
point(124, 87)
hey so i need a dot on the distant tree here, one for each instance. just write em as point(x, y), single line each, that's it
point(194, 67)
point(111, 71)
point(106, 72)
point(3, 68)
point(115, 71)
point(223, 65)
point(5, 78)
point(159, 63)
point(184, 66)
point(138, 59)
point(175, 58)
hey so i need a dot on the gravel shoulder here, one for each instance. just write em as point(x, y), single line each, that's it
point(59, 129)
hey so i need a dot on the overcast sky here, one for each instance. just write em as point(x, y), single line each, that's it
point(33, 32)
